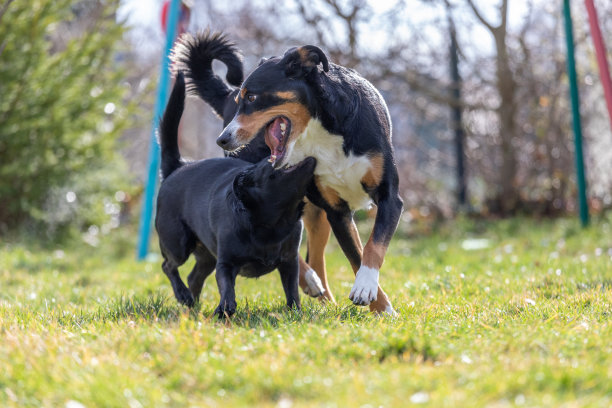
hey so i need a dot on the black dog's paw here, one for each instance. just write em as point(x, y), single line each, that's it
point(225, 309)
point(185, 297)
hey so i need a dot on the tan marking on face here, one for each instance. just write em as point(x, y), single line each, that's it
point(243, 92)
point(242, 136)
point(373, 176)
point(374, 254)
point(252, 123)
point(286, 95)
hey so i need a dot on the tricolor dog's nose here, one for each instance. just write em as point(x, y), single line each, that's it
point(224, 139)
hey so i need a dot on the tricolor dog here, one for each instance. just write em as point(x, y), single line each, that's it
point(304, 106)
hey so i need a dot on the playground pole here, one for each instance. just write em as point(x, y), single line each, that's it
point(571, 71)
point(600, 50)
point(146, 215)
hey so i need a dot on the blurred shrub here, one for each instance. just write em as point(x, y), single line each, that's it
point(62, 109)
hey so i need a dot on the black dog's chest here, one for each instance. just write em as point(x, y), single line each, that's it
point(260, 260)
point(255, 270)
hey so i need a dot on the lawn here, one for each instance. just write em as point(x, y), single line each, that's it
point(504, 313)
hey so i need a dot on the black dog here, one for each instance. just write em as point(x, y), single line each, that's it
point(235, 216)
point(194, 55)
point(307, 106)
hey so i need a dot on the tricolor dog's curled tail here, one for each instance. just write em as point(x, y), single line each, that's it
point(168, 129)
point(194, 55)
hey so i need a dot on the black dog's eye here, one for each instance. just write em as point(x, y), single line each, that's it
point(251, 97)
point(272, 176)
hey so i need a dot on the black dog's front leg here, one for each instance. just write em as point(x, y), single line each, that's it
point(289, 273)
point(226, 280)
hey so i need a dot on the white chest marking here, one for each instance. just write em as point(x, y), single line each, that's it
point(335, 169)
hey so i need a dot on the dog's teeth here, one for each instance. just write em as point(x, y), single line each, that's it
point(272, 158)
point(282, 132)
point(283, 127)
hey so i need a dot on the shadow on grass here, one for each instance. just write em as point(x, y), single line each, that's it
point(158, 307)
point(250, 315)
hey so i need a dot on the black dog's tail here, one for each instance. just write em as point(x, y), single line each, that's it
point(168, 128)
point(194, 55)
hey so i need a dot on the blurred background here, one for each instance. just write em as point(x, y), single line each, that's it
point(78, 82)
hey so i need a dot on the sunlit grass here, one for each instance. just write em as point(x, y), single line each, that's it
point(524, 320)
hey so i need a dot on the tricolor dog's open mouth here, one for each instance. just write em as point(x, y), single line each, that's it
point(276, 137)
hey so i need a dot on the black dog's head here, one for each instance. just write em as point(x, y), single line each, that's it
point(272, 196)
point(278, 99)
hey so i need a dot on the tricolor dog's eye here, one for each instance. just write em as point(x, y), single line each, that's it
point(251, 97)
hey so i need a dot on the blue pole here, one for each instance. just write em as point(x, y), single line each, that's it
point(146, 215)
point(575, 101)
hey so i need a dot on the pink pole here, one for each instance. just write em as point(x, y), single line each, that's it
point(600, 50)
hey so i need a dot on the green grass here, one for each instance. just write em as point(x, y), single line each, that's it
point(525, 321)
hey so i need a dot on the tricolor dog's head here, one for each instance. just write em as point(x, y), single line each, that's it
point(276, 98)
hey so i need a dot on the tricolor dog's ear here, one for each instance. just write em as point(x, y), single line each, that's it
point(303, 61)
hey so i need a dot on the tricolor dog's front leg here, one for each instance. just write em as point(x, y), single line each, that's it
point(384, 191)
point(347, 235)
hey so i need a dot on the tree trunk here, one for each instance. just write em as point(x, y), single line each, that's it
point(508, 195)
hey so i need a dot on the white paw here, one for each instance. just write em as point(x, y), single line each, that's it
point(365, 287)
point(314, 286)
point(390, 311)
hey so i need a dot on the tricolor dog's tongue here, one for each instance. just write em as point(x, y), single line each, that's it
point(275, 137)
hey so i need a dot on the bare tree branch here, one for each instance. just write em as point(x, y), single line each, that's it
point(349, 18)
point(504, 15)
point(313, 21)
point(480, 17)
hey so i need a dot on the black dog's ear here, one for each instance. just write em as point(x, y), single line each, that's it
point(242, 182)
point(302, 61)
